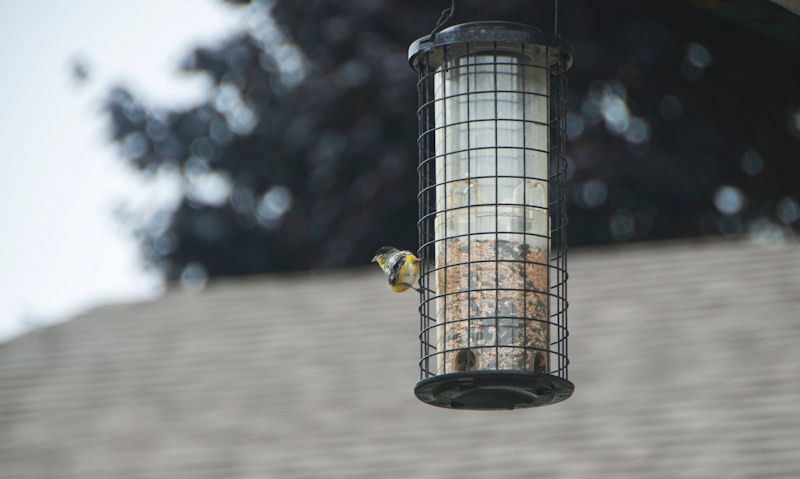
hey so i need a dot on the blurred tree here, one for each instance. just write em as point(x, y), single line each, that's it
point(303, 156)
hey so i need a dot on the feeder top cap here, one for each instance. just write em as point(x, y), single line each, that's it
point(491, 31)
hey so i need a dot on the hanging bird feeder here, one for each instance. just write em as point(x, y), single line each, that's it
point(492, 216)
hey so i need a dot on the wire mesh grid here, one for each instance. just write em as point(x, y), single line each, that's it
point(492, 208)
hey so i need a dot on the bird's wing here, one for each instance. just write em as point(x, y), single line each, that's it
point(396, 263)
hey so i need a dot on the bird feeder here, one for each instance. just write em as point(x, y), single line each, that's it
point(492, 216)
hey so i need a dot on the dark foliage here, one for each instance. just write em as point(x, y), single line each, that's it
point(323, 171)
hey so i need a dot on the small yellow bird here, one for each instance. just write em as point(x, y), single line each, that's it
point(401, 268)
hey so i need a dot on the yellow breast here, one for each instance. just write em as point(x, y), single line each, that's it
point(408, 274)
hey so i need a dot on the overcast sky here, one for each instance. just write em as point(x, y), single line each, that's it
point(61, 250)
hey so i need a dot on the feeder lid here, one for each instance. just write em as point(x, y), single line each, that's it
point(489, 32)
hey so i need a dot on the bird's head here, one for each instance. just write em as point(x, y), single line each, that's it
point(383, 255)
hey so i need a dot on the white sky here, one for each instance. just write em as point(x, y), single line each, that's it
point(61, 250)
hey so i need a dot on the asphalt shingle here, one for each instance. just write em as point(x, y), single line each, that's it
point(684, 356)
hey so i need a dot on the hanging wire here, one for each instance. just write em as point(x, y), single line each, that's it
point(555, 19)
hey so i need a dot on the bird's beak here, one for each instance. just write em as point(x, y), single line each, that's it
point(374, 259)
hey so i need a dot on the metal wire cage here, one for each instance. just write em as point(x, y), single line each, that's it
point(492, 216)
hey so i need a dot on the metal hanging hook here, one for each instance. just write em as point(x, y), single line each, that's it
point(446, 15)
point(448, 12)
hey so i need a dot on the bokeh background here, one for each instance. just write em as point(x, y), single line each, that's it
point(168, 143)
point(188, 146)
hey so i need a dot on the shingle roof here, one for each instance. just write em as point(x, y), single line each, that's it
point(684, 356)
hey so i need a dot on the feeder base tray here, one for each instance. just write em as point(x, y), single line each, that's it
point(493, 390)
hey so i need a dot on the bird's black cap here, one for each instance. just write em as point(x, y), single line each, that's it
point(384, 250)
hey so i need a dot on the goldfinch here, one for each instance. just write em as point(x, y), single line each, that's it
point(401, 268)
